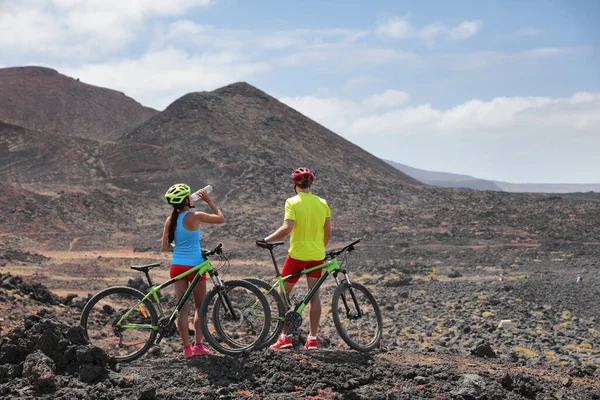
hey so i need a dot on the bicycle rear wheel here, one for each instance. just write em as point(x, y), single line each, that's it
point(356, 316)
point(106, 326)
point(239, 315)
point(277, 309)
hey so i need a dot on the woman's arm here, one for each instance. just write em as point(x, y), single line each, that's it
point(165, 237)
point(216, 217)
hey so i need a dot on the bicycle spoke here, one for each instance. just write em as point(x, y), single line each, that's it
point(109, 328)
point(236, 317)
point(358, 317)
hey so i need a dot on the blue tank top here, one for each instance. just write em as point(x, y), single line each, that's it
point(187, 245)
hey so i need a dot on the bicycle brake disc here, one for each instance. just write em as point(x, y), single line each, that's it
point(293, 320)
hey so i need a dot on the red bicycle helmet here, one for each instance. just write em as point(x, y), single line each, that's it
point(302, 174)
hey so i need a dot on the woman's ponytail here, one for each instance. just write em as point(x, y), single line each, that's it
point(173, 224)
point(174, 215)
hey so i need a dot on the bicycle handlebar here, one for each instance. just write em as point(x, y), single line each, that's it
point(334, 253)
point(330, 254)
point(216, 250)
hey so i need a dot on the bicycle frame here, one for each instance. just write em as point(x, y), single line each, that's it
point(199, 270)
point(330, 267)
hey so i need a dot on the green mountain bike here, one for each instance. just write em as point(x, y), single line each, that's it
point(355, 312)
point(124, 322)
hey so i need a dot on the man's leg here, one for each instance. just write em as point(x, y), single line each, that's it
point(288, 289)
point(315, 307)
point(284, 342)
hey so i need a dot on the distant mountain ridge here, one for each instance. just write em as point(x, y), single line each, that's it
point(447, 179)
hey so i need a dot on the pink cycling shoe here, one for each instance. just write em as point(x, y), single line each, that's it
point(200, 349)
point(188, 352)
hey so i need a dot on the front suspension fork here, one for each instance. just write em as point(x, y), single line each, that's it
point(222, 295)
point(349, 312)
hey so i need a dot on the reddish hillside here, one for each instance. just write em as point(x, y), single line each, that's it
point(245, 129)
point(54, 190)
point(29, 156)
point(44, 100)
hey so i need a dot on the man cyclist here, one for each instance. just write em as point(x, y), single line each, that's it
point(307, 219)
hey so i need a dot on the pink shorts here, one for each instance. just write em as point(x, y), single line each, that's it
point(291, 266)
point(177, 269)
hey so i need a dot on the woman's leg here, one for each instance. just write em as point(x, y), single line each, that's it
point(199, 294)
point(183, 324)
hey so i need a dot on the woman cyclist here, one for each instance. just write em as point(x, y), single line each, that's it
point(182, 228)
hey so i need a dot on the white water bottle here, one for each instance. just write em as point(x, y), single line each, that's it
point(195, 195)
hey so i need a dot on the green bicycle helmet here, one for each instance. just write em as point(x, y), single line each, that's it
point(177, 193)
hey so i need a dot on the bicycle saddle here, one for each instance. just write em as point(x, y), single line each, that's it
point(144, 268)
point(270, 245)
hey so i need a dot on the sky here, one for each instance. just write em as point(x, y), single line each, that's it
point(504, 90)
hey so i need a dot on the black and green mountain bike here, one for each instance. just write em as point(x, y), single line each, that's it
point(355, 312)
point(124, 322)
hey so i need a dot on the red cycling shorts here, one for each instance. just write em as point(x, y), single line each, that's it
point(291, 266)
point(177, 269)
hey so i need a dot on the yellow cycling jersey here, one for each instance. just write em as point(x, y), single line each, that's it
point(308, 213)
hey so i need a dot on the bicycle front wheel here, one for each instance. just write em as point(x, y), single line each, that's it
point(117, 321)
point(235, 317)
point(356, 316)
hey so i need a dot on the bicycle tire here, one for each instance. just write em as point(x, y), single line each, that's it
point(217, 295)
point(276, 322)
point(344, 288)
point(124, 290)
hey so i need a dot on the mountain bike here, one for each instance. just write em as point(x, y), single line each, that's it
point(124, 322)
point(355, 312)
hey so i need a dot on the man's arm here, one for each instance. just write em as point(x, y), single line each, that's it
point(281, 232)
point(327, 231)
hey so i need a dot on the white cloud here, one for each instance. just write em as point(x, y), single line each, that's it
point(184, 28)
point(307, 39)
point(361, 81)
point(396, 27)
point(80, 28)
point(483, 59)
point(27, 26)
point(465, 30)
point(502, 114)
point(388, 99)
point(430, 33)
point(402, 28)
point(506, 138)
point(160, 77)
